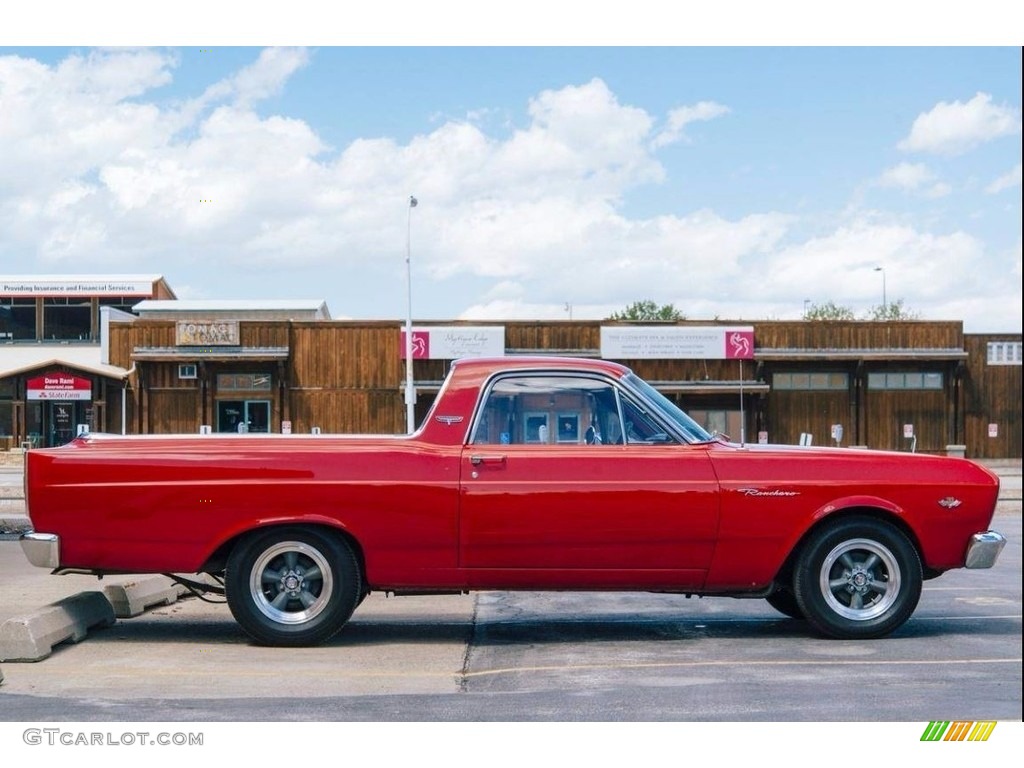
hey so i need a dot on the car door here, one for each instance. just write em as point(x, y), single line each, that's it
point(567, 483)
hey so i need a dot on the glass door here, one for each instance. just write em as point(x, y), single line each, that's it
point(257, 415)
point(243, 416)
point(63, 421)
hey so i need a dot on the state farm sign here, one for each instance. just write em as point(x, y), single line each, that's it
point(59, 386)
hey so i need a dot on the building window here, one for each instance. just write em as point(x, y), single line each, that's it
point(187, 371)
point(121, 303)
point(17, 319)
point(719, 422)
point(811, 381)
point(1004, 353)
point(905, 380)
point(67, 319)
point(6, 420)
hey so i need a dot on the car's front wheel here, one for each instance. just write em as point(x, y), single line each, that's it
point(858, 578)
point(292, 586)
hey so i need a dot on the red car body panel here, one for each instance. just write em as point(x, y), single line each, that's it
point(432, 512)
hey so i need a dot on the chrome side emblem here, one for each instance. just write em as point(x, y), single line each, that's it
point(950, 502)
point(448, 420)
point(759, 492)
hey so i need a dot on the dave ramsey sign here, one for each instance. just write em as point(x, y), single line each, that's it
point(59, 386)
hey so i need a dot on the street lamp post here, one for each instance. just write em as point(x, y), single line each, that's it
point(410, 390)
point(885, 304)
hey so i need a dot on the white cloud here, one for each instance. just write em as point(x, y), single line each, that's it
point(681, 117)
point(919, 266)
point(954, 128)
point(914, 177)
point(98, 173)
point(1008, 180)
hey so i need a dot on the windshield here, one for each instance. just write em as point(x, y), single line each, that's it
point(693, 431)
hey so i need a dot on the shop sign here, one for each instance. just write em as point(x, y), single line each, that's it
point(216, 333)
point(59, 386)
point(454, 342)
point(46, 286)
point(657, 342)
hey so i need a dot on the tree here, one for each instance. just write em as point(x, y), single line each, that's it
point(894, 310)
point(828, 311)
point(647, 311)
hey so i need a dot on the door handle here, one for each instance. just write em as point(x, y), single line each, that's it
point(476, 460)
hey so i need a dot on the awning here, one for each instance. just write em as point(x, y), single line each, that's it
point(856, 355)
point(709, 387)
point(212, 354)
point(17, 358)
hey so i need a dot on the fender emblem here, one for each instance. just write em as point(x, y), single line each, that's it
point(759, 492)
point(950, 503)
point(448, 420)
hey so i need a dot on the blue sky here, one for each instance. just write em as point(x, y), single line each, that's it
point(735, 182)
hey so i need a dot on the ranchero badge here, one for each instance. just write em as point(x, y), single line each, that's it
point(760, 492)
point(448, 420)
point(950, 503)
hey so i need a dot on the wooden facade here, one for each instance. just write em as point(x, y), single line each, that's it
point(992, 399)
point(921, 386)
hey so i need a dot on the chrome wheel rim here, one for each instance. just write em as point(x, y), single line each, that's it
point(291, 583)
point(860, 579)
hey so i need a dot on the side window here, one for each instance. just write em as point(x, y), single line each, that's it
point(640, 427)
point(563, 410)
point(546, 410)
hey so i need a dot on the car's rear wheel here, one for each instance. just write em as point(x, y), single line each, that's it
point(292, 586)
point(858, 578)
point(783, 601)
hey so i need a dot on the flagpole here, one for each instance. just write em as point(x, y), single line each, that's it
point(410, 390)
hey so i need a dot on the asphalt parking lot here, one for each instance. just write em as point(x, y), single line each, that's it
point(501, 656)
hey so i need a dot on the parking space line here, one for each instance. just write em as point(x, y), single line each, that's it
point(758, 663)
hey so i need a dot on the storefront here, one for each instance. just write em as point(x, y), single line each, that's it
point(50, 402)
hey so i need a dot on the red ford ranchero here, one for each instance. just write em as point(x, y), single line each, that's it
point(533, 473)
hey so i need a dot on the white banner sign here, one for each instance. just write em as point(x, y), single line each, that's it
point(673, 342)
point(453, 342)
point(42, 286)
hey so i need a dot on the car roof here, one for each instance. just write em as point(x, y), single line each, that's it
point(551, 362)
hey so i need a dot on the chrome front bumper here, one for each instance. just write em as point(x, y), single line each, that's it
point(41, 549)
point(984, 549)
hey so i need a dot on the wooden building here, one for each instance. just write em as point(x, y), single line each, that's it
point(119, 353)
point(53, 380)
point(915, 385)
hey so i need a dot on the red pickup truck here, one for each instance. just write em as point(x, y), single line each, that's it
point(528, 473)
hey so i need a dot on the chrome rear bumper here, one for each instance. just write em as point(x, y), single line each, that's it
point(984, 549)
point(41, 549)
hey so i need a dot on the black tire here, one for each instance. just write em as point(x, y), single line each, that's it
point(783, 601)
point(858, 578)
point(292, 586)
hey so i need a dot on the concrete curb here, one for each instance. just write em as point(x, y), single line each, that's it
point(133, 598)
point(33, 637)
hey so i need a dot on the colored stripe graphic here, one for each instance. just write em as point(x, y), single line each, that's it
point(958, 730)
point(982, 730)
